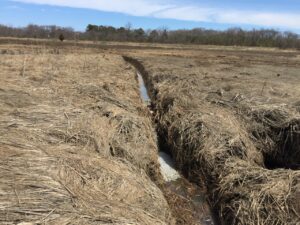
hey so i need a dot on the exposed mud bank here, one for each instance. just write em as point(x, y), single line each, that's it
point(216, 146)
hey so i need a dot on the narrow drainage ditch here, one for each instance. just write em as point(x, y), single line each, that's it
point(185, 198)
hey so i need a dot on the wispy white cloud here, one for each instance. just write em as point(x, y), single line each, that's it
point(131, 7)
point(173, 10)
point(215, 15)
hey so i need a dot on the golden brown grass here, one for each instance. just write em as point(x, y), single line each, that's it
point(76, 145)
point(225, 115)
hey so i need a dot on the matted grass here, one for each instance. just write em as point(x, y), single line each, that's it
point(224, 115)
point(76, 145)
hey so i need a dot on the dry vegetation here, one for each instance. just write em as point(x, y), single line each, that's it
point(232, 117)
point(77, 146)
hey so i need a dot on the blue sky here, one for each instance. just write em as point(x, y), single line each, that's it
point(173, 14)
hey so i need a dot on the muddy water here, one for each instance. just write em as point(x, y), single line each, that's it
point(177, 184)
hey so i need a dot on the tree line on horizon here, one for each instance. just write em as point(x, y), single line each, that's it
point(229, 37)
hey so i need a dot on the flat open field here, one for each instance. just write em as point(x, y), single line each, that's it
point(79, 145)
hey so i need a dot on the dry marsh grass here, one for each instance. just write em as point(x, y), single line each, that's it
point(74, 149)
point(236, 123)
point(77, 145)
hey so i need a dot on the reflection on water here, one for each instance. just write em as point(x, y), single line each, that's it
point(143, 90)
point(167, 167)
point(194, 197)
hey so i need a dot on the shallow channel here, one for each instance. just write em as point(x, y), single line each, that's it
point(175, 182)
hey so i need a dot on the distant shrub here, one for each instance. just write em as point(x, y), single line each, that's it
point(61, 37)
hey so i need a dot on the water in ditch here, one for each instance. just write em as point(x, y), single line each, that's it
point(194, 198)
